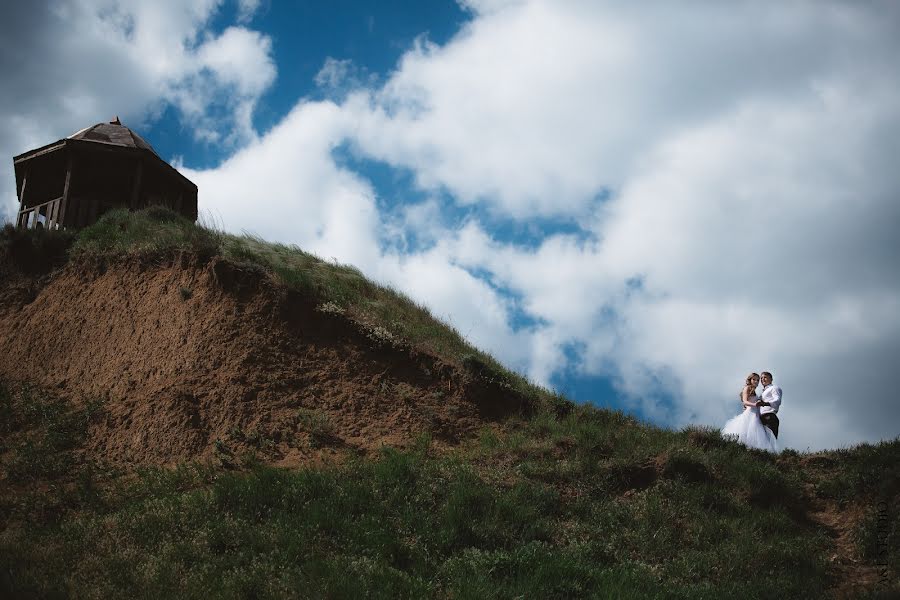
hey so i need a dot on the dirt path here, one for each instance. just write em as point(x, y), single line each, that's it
point(851, 576)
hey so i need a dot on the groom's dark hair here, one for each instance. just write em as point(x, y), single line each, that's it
point(766, 373)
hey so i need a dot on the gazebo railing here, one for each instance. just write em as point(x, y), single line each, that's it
point(46, 215)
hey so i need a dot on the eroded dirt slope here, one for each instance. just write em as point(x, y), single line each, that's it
point(191, 360)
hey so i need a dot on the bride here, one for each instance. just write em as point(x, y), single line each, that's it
point(747, 427)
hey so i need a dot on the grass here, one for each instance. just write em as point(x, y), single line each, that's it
point(153, 232)
point(568, 501)
point(56, 429)
point(316, 423)
point(549, 507)
point(33, 252)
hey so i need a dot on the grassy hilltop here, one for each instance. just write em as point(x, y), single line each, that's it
point(552, 500)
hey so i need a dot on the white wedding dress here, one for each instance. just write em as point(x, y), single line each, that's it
point(749, 430)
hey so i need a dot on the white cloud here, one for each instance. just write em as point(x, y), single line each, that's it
point(287, 188)
point(745, 155)
point(241, 58)
point(484, 7)
point(334, 73)
point(746, 151)
point(241, 68)
point(560, 99)
point(731, 167)
point(338, 78)
point(247, 10)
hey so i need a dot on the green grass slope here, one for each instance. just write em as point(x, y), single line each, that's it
point(572, 501)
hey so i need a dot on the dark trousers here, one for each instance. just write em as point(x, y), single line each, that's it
point(770, 421)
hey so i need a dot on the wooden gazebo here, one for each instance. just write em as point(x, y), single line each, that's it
point(71, 182)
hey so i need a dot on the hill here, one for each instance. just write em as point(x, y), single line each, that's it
point(187, 413)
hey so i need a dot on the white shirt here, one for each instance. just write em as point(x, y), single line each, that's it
point(771, 394)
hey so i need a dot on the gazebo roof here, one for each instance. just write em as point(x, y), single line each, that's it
point(102, 136)
point(109, 134)
point(112, 133)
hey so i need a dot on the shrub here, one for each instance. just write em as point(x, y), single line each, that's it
point(317, 424)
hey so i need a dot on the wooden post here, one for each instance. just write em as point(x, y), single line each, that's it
point(56, 208)
point(51, 214)
point(22, 207)
point(136, 188)
point(63, 217)
point(22, 191)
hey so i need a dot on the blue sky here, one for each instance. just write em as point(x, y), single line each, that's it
point(373, 35)
point(635, 204)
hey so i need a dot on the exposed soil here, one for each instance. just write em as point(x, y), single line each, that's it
point(195, 361)
point(851, 576)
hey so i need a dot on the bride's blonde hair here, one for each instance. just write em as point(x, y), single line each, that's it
point(747, 382)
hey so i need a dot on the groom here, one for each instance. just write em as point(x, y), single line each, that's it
point(770, 403)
